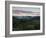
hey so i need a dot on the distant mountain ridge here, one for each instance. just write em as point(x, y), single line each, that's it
point(26, 17)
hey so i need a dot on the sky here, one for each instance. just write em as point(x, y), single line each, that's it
point(27, 9)
point(33, 11)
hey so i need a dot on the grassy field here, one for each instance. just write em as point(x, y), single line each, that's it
point(26, 23)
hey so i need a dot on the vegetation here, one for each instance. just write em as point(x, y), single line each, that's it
point(26, 23)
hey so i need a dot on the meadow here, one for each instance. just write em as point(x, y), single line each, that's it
point(21, 23)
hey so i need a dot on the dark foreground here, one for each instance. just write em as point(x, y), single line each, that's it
point(26, 23)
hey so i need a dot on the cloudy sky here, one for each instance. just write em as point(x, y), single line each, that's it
point(34, 11)
point(27, 9)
